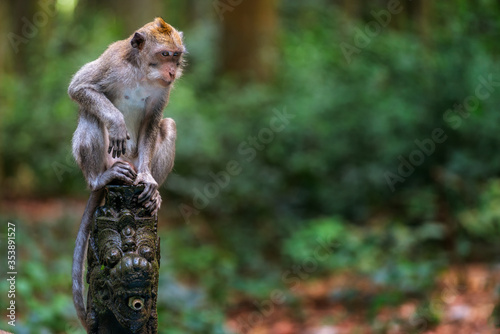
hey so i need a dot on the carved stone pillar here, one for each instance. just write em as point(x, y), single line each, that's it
point(123, 266)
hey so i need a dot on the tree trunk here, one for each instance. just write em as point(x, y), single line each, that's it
point(21, 30)
point(248, 38)
point(130, 13)
point(5, 28)
point(143, 12)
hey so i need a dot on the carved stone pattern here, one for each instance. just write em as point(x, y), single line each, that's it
point(123, 266)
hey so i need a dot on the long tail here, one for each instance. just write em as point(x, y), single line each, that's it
point(80, 253)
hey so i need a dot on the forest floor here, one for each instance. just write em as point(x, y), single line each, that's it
point(461, 302)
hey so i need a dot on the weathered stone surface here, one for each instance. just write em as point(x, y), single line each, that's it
point(123, 263)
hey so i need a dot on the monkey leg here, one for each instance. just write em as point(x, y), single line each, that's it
point(163, 160)
point(90, 143)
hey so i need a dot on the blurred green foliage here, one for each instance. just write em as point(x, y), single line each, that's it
point(321, 178)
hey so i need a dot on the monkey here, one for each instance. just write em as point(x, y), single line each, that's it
point(121, 134)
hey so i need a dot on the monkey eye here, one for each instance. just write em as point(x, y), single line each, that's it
point(170, 53)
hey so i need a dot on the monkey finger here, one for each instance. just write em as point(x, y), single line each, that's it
point(155, 211)
point(125, 167)
point(128, 172)
point(151, 204)
point(156, 208)
point(153, 190)
point(125, 178)
point(119, 164)
point(120, 169)
point(143, 196)
point(128, 181)
point(113, 149)
point(110, 146)
point(132, 174)
point(150, 192)
point(146, 194)
point(124, 164)
point(119, 148)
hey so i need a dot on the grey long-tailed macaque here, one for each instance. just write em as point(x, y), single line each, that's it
point(121, 133)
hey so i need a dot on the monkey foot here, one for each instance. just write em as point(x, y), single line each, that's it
point(153, 203)
point(150, 196)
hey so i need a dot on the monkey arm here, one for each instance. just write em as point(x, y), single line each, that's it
point(146, 148)
point(96, 103)
point(88, 92)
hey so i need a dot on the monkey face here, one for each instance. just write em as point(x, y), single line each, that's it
point(160, 50)
point(165, 66)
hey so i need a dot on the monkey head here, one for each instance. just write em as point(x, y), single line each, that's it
point(158, 50)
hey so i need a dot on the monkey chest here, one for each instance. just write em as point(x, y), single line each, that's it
point(132, 104)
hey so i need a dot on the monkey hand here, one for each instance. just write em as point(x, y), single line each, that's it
point(118, 135)
point(121, 171)
point(150, 188)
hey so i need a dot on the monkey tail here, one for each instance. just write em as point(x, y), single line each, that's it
point(80, 253)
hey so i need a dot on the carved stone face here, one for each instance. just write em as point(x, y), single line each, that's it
point(131, 283)
point(125, 268)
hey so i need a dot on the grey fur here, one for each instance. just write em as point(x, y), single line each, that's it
point(121, 134)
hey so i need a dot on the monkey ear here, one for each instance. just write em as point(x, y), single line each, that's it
point(181, 34)
point(137, 41)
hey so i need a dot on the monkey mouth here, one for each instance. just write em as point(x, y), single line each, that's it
point(165, 83)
